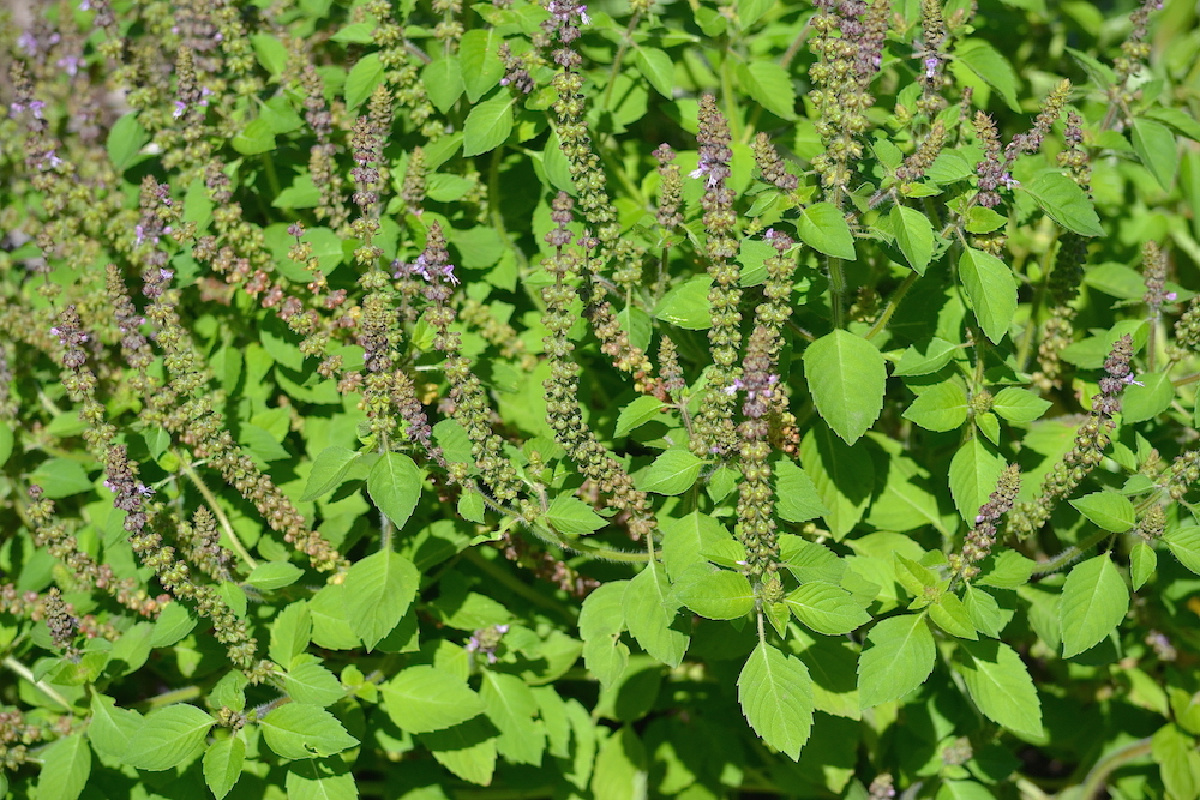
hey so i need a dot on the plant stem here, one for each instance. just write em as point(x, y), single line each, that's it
point(42, 686)
point(892, 305)
point(1093, 784)
point(1070, 554)
point(214, 506)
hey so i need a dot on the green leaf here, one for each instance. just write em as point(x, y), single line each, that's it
point(66, 765)
point(658, 68)
point(272, 575)
point(1008, 570)
point(271, 53)
point(1065, 203)
point(60, 477)
point(310, 683)
point(974, 471)
point(257, 137)
point(168, 737)
point(986, 62)
point(796, 495)
point(488, 125)
point(686, 539)
point(1143, 561)
point(1184, 544)
point(847, 378)
point(899, 659)
point(290, 632)
point(983, 611)
point(827, 608)
point(313, 779)
point(769, 85)
point(468, 750)
point(1147, 401)
point(823, 228)
point(914, 236)
point(125, 141)
point(843, 474)
point(378, 591)
point(573, 517)
point(714, 593)
point(511, 705)
point(992, 290)
point(422, 699)
point(776, 696)
point(479, 53)
point(686, 305)
point(999, 683)
point(394, 484)
point(620, 771)
point(750, 11)
point(951, 615)
point(673, 472)
point(937, 354)
point(640, 411)
point(223, 764)
point(111, 728)
point(941, 407)
point(363, 78)
point(1108, 509)
point(1155, 145)
point(356, 33)
point(649, 611)
point(1178, 762)
point(1093, 603)
point(330, 467)
point(1019, 405)
point(295, 730)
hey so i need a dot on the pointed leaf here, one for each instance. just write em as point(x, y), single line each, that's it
point(168, 738)
point(999, 683)
point(394, 484)
point(715, 593)
point(1093, 603)
point(331, 465)
point(295, 730)
point(992, 290)
point(649, 613)
point(823, 228)
point(847, 378)
point(1108, 509)
point(974, 471)
point(914, 236)
point(573, 517)
point(1155, 145)
point(673, 472)
point(1065, 203)
point(1019, 405)
point(488, 125)
point(422, 699)
point(827, 608)
point(378, 591)
point(941, 407)
point(223, 764)
point(1184, 544)
point(66, 765)
point(899, 659)
point(798, 500)
point(776, 695)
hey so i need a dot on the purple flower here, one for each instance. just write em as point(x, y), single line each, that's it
point(180, 107)
point(931, 65)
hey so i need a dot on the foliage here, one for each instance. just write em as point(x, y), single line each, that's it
point(519, 399)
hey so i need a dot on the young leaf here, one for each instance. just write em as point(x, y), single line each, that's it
point(899, 659)
point(271, 575)
point(364, 76)
point(1147, 401)
point(640, 411)
point(715, 593)
point(999, 683)
point(168, 738)
point(658, 69)
point(1019, 405)
point(330, 466)
point(1094, 601)
point(914, 236)
point(488, 125)
point(826, 608)
point(974, 471)
point(797, 498)
point(992, 290)
point(941, 407)
point(847, 378)
point(422, 699)
point(951, 615)
point(1108, 509)
point(291, 632)
point(66, 765)
point(378, 591)
point(1143, 561)
point(223, 764)
point(776, 695)
point(673, 472)
point(649, 613)
point(295, 730)
point(571, 516)
point(394, 484)
point(823, 227)
point(1155, 146)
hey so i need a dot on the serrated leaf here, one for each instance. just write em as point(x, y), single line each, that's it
point(310, 683)
point(223, 764)
point(1019, 405)
point(673, 472)
point(327, 472)
point(941, 407)
point(488, 125)
point(899, 659)
point(1143, 561)
point(937, 354)
point(984, 612)
point(769, 85)
point(255, 138)
point(992, 290)
point(66, 765)
point(1184, 544)
point(479, 53)
point(571, 516)
point(422, 699)
point(823, 228)
point(714, 593)
point(649, 612)
point(511, 706)
point(987, 62)
point(271, 53)
point(168, 737)
point(843, 474)
point(364, 76)
point(295, 730)
point(775, 692)
point(826, 608)
point(640, 411)
point(271, 575)
point(1093, 603)
point(950, 614)
point(999, 683)
point(1155, 145)
point(1008, 570)
point(914, 236)
point(468, 750)
point(1108, 509)
point(658, 69)
point(797, 497)
point(847, 378)
point(111, 728)
point(974, 471)
point(290, 632)
point(1065, 203)
point(313, 779)
point(394, 484)
point(687, 305)
point(378, 591)
point(1146, 401)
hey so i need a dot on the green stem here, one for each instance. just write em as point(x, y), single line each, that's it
point(171, 698)
point(892, 305)
point(214, 506)
point(1069, 555)
point(616, 64)
point(1093, 784)
point(42, 686)
point(837, 291)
